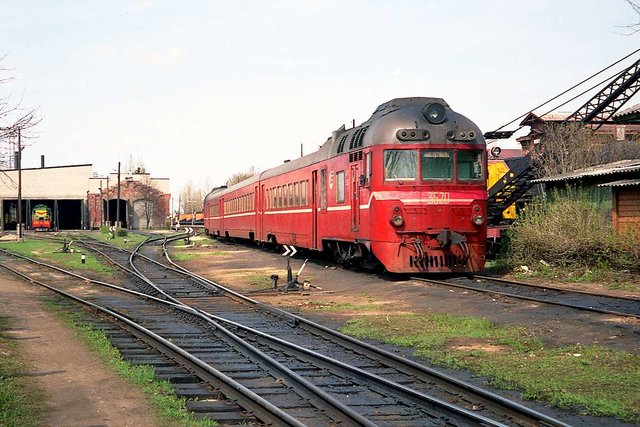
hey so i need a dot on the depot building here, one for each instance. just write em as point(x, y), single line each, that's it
point(81, 199)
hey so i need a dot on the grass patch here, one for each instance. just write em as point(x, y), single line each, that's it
point(182, 253)
point(129, 242)
point(50, 252)
point(262, 280)
point(601, 381)
point(184, 256)
point(161, 394)
point(20, 402)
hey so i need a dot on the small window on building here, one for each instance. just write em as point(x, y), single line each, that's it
point(340, 187)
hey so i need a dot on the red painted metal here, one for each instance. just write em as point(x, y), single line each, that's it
point(338, 198)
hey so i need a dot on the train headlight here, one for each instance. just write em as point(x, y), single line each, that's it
point(397, 220)
point(477, 219)
point(434, 113)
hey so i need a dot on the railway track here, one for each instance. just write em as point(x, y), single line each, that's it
point(382, 387)
point(147, 331)
point(618, 306)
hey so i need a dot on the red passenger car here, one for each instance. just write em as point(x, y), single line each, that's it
point(406, 188)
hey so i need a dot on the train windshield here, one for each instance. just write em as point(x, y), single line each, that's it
point(443, 164)
point(400, 165)
point(469, 165)
point(437, 164)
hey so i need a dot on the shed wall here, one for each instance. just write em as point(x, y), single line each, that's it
point(47, 183)
point(626, 209)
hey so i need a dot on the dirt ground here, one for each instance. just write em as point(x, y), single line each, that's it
point(244, 269)
point(78, 390)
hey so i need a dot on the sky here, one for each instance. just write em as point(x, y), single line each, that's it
point(200, 90)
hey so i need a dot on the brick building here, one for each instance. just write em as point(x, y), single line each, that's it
point(81, 199)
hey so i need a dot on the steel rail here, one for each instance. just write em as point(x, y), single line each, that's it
point(528, 298)
point(348, 342)
point(261, 408)
point(318, 397)
point(553, 288)
point(376, 352)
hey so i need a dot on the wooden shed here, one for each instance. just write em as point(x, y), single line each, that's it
point(625, 197)
point(617, 184)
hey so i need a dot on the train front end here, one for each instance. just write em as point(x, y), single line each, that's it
point(429, 201)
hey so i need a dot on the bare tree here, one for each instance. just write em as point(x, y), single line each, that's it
point(16, 122)
point(240, 176)
point(134, 165)
point(191, 198)
point(149, 195)
point(567, 147)
point(633, 28)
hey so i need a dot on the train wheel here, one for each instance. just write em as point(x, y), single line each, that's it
point(272, 244)
point(346, 254)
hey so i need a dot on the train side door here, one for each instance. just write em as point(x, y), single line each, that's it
point(258, 207)
point(314, 209)
point(355, 197)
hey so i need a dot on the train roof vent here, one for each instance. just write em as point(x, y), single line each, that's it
point(341, 144)
point(356, 139)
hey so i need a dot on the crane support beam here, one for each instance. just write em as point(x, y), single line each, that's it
point(601, 107)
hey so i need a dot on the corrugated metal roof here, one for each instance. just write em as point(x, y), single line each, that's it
point(622, 183)
point(630, 110)
point(606, 169)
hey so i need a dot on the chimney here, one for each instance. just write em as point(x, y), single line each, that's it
point(42, 161)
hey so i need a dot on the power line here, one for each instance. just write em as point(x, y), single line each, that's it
point(570, 89)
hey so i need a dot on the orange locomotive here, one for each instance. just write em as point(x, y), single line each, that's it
point(407, 188)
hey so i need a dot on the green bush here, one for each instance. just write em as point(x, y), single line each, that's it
point(570, 231)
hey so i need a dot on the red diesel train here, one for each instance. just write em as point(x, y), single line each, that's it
point(407, 188)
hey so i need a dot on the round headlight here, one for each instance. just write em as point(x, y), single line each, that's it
point(397, 221)
point(478, 219)
point(434, 113)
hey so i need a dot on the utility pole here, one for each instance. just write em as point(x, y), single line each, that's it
point(108, 222)
point(19, 187)
point(101, 207)
point(118, 201)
